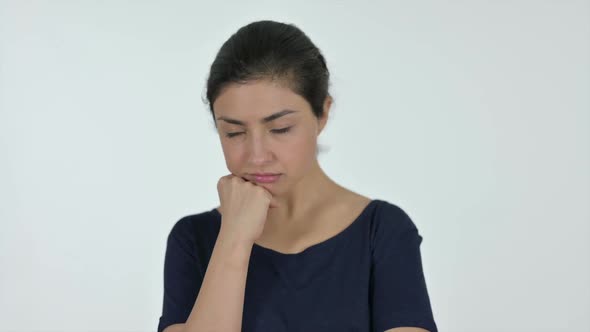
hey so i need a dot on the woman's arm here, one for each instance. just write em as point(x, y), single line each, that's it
point(220, 302)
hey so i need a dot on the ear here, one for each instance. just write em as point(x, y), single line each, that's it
point(324, 119)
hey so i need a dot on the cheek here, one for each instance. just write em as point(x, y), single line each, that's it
point(299, 152)
point(233, 157)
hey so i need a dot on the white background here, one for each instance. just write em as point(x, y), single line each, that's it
point(473, 116)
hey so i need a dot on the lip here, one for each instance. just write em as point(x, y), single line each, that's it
point(266, 177)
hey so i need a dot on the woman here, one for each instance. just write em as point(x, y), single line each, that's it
point(288, 249)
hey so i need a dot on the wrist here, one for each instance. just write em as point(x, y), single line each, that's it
point(237, 250)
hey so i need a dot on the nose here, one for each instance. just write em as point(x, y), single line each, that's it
point(259, 150)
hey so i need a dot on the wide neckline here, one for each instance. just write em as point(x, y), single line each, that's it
point(314, 247)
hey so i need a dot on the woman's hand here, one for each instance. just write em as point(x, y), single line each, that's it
point(245, 206)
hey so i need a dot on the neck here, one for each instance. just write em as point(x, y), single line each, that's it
point(306, 195)
point(310, 193)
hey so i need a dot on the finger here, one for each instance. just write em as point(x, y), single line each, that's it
point(232, 175)
point(228, 176)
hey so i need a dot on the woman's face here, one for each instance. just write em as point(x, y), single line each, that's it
point(267, 128)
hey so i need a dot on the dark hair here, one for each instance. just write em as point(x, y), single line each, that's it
point(274, 51)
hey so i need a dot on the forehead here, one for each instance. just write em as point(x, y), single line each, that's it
point(255, 100)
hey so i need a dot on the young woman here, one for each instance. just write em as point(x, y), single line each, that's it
point(288, 249)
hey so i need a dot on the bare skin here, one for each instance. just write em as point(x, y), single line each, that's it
point(304, 207)
point(330, 217)
point(324, 211)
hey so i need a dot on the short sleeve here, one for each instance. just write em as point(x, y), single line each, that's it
point(399, 296)
point(182, 277)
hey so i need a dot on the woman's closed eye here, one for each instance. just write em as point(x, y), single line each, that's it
point(275, 131)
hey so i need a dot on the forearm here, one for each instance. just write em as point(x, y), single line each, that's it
point(220, 302)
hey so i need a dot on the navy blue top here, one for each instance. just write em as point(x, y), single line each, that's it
point(368, 277)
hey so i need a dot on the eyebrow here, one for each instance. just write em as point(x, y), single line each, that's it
point(264, 120)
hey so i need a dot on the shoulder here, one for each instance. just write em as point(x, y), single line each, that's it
point(386, 217)
point(391, 225)
point(392, 216)
point(199, 227)
point(385, 214)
